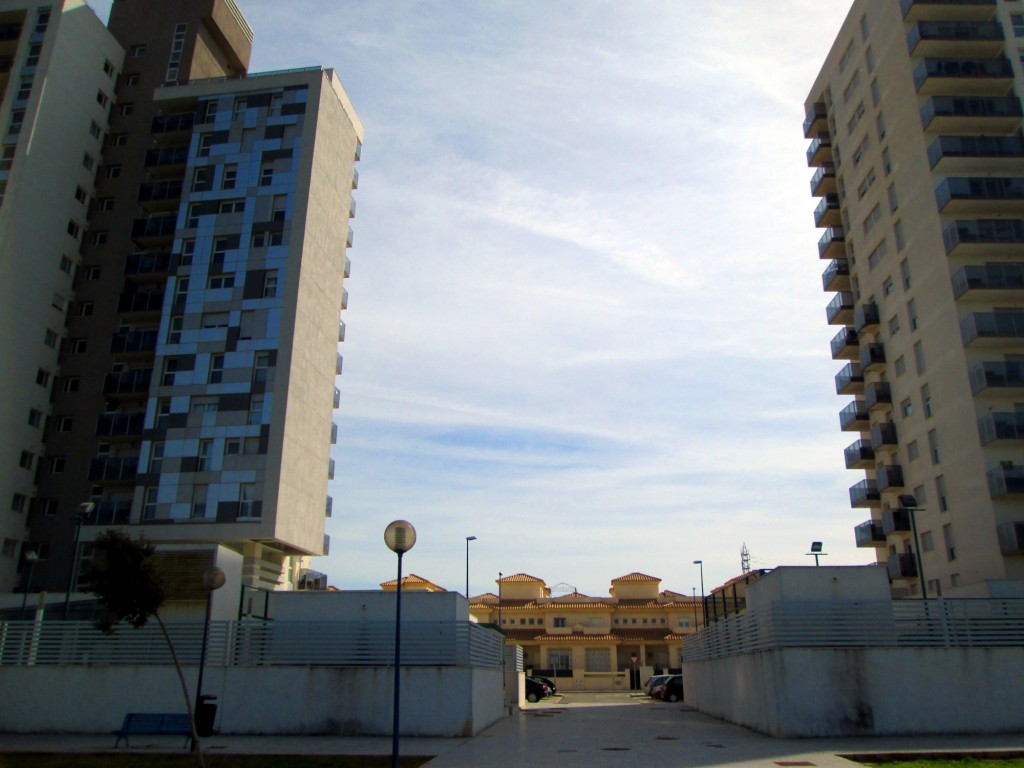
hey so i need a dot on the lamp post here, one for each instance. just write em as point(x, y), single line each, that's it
point(694, 592)
point(703, 600)
point(909, 503)
point(816, 552)
point(84, 510)
point(400, 537)
point(31, 557)
point(213, 579)
point(468, 539)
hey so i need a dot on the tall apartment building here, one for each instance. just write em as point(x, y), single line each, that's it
point(915, 126)
point(192, 395)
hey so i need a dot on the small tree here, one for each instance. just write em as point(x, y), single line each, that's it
point(125, 578)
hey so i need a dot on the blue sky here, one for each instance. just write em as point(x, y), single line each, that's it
point(586, 322)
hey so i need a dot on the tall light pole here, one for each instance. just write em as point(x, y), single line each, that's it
point(400, 537)
point(213, 579)
point(84, 510)
point(703, 600)
point(31, 557)
point(909, 502)
point(816, 552)
point(468, 539)
point(694, 609)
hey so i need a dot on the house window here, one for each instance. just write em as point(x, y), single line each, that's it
point(132, 79)
point(906, 408)
point(126, 109)
point(894, 325)
point(559, 622)
point(230, 176)
point(232, 446)
point(270, 284)
point(156, 457)
point(205, 452)
point(202, 179)
point(65, 423)
point(247, 500)
point(192, 221)
point(280, 207)
point(947, 539)
point(18, 502)
point(940, 490)
point(919, 358)
point(222, 281)
point(163, 412)
point(149, 503)
point(912, 451)
point(256, 412)
point(266, 176)
point(56, 464)
point(888, 286)
point(926, 400)
point(181, 290)
point(67, 266)
point(598, 660)
point(137, 51)
point(933, 447)
point(170, 368)
point(261, 366)
point(113, 171)
point(102, 99)
point(26, 460)
point(71, 384)
point(174, 329)
point(43, 378)
point(216, 369)
point(205, 142)
point(199, 494)
point(215, 319)
point(232, 206)
point(35, 418)
point(81, 195)
point(220, 248)
point(50, 338)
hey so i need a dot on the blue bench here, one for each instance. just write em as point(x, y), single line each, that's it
point(153, 724)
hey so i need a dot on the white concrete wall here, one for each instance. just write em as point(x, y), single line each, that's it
point(371, 605)
point(435, 701)
point(878, 691)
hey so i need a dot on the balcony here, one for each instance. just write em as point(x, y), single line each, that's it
point(341, 330)
point(1001, 329)
point(895, 521)
point(337, 397)
point(878, 394)
point(973, 196)
point(973, 154)
point(344, 298)
point(1005, 481)
point(348, 267)
point(327, 544)
point(337, 365)
point(854, 417)
point(815, 120)
point(966, 115)
point(113, 469)
point(963, 77)
point(173, 127)
point(866, 317)
point(160, 196)
point(823, 182)
point(110, 513)
point(127, 383)
point(155, 231)
point(859, 455)
point(330, 469)
point(990, 282)
point(872, 357)
point(840, 310)
point(955, 39)
point(147, 265)
point(334, 433)
point(832, 244)
point(984, 237)
point(1011, 537)
point(889, 477)
point(952, 10)
point(329, 507)
point(883, 436)
point(902, 566)
point(836, 276)
point(120, 425)
point(133, 343)
point(820, 152)
point(850, 380)
point(827, 213)
point(869, 534)
point(997, 378)
point(167, 161)
point(1002, 427)
point(864, 494)
point(355, 179)
point(141, 303)
point(846, 345)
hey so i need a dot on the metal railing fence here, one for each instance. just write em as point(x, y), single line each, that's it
point(938, 623)
point(252, 643)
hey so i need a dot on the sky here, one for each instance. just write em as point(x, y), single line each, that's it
point(586, 322)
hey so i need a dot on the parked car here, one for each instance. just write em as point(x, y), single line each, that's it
point(548, 682)
point(536, 690)
point(653, 682)
point(670, 690)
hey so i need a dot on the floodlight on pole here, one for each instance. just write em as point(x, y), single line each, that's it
point(816, 552)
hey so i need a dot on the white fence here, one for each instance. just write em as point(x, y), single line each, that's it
point(253, 643)
point(936, 623)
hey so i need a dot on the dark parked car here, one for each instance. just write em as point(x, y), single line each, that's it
point(548, 682)
point(536, 690)
point(671, 690)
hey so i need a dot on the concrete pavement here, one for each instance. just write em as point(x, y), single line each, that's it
point(577, 729)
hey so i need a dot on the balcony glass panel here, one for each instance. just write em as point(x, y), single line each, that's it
point(998, 374)
point(975, 146)
point(866, 317)
point(1001, 426)
point(883, 434)
point(992, 325)
point(993, 189)
point(872, 356)
point(853, 414)
point(848, 377)
point(864, 494)
point(953, 31)
point(829, 205)
point(858, 454)
point(845, 345)
point(967, 106)
point(836, 269)
point(965, 68)
point(833, 237)
point(1003, 481)
point(877, 393)
point(815, 112)
point(988, 277)
point(983, 232)
point(843, 301)
point(869, 534)
point(902, 566)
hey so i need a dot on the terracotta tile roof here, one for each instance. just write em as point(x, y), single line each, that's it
point(577, 600)
point(522, 635)
point(574, 637)
point(634, 604)
point(516, 578)
point(635, 576)
point(413, 580)
point(486, 598)
point(644, 634)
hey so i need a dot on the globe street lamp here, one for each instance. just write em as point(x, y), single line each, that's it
point(400, 537)
point(703, 600)
point(468, 539)
point(213, 579)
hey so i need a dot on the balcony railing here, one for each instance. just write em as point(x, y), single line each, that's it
point(889, 477)
point(127, 382)
point(157, 191)
point(877, 393)
point(158, 227)
point(836, 275)
point(944, 38)
point(147, 264)
point(823, 181)
point(988, 277)
point(872, 357)
point(998, 70)
point(1003, 111)
point(849, 380)
point(328, 507)
point(832, 243)
point(133, 342)
point(845, 345)
point(883, 434)
point(992, 325)
point(113, 468)
point(902, 566)
point(140, 302)
point(864, 494)
point(896, 520)
point(815, 120)
point(1001, 426)
point(866, 317)
point(826, 214)
point(975, 147)
point(854, 416)
point(983, 232)
point(858, 455)
point(173, 123)
point(820, 151)
point(120, 424)
point(1003, 375)
point(337, 397)
point(840, 309)
point(166, 156)
point(944, 8)
point(109, 513)
point(990, 192)
point(1003, 481)
point(869, 534)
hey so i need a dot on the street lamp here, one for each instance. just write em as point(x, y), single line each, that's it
point(213, 579)
point(909, 502)
point(703, 600)
point(694, 603)
point(468, 539)
point(816, 552)
point(84, 510)
point(400, 537)
point(31, 557)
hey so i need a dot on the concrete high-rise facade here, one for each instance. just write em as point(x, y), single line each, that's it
point(915, 127)
point(192, 396)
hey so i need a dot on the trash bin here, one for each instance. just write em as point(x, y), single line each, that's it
point(206, 713)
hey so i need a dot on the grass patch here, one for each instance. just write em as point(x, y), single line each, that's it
point(938, 760)
point(161, 760)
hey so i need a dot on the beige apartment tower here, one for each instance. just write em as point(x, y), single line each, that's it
point(915, 127)
point(191, 399)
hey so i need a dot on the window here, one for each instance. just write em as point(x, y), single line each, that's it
point(933, 447)
point(94, 129)
point(205, 142)
point(919, 358)
point(847, 55)
point(232, 206)
point(98, 238)
point(872, 219)
point(50, 338)
point(901, 242)
point(247, 500)
point(163, 412)
point(912, 451)
point(43, 378)
point(81, 195)
point(940, 490)
point(34, 52)
point(149, 503)
point(906, 408)
point(170, 368)
point(222, 281)
point(894, 325)
point(256, 410)
point(24, 89)
point(174, 329)
point(205, 452)
point(132, 79)
point(192, 221)
point(35, 418)
point(119, 140)
point(865, 185)
point(927, 541)
point(204, 405)
point(88, 161)
point(240, 107)
point(851, 87)
point(66, 265)
point(181, 290)
point(232, 446)
point(886, 161)
point(926, 401)
point(880, 126)
point(270, 284)
point(947, 539)
point(209, 111)
point(259, 239)
point(276, 238)
point(126, 109)
point(266, 176)
point(869, 61)
point(893, 202)
point(113, 171)
point(857, 114)
point(65, 423)
point(137, 51)
point(216, 369)
point(215, 320)
point(188, 250)
point(261, 366)
point(71, 384)
point(858, 153)
point(864, 27)
point(912, 314)
point(156, 458)
point(275, 104)
point(26, 460)
point(78, 346)
point(56, 464)
point(559, 622)
point(888, 287)
point(251, 447)
point(199, 493)
point(102, 99)
point(18, 502)
point(230, 176)
point(202, 179)
point(1017, 19)
point(598, 660)
point(280, 207)
point(84, 308)
point(74, 229)
point(878, 254)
